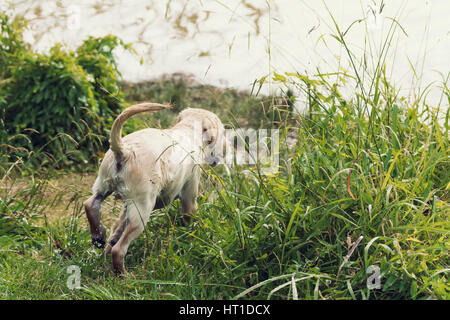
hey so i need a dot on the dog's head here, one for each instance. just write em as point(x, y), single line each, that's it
point(211, 130)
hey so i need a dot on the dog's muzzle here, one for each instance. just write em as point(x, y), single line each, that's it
point(212, 160)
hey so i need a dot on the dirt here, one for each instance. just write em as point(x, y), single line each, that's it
point(59, 196)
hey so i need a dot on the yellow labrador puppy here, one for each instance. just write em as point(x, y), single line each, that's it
point(148, 169)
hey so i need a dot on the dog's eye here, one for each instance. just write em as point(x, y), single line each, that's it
point(204, 129)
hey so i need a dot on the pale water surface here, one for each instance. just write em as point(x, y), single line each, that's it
point(227, 43)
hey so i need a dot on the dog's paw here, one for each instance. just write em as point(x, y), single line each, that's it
point(98, 242)
point(99, 237)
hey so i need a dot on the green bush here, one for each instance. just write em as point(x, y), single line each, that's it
point(57, 106)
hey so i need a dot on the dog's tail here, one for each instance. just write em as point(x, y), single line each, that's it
point(115, 140)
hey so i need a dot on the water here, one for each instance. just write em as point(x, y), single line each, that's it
point(227, 43)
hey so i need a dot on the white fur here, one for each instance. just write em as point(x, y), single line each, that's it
point(151, 168)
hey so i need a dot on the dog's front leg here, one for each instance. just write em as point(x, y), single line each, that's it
point(92, 207)
point(188, 207)
point(188, 198)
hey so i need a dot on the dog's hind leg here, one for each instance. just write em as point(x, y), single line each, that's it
point(117, 231)
point(138, 215)
point(92, 207)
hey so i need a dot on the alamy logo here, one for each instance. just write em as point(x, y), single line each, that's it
point(254, 147)
point(73, 17)
point(73, 281)
point(374, 277)
point(247, 147)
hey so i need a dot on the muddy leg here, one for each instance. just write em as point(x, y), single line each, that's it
point(138, 216)
point(120, 249)
point(92, 207)
point(118, 229)
point(189, 200)
point(188, 206)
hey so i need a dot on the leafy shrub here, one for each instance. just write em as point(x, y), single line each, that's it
point(58, 106)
